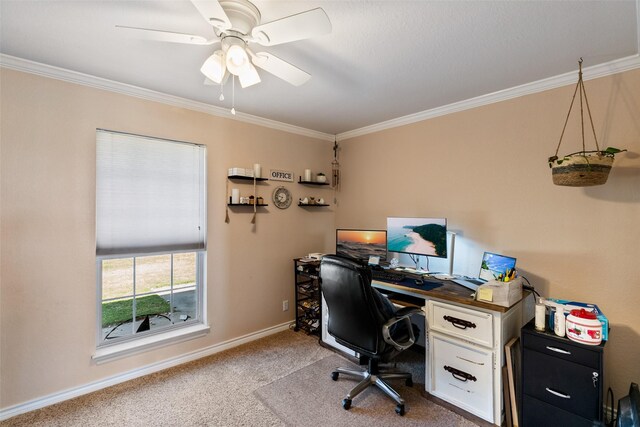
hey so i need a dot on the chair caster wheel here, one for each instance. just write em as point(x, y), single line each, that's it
point(346, 404)
point(409, 382)
point(334, 376)
point(400, 410)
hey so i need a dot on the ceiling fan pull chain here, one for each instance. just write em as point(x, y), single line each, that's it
point(233, 95)
point(221, 98)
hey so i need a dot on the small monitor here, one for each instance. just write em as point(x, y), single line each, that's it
point(417, 236)
point(361, 244)
point(495, 266)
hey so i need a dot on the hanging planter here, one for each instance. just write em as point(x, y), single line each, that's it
point(583, 168)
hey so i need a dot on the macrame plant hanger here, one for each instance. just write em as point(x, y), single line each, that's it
point(583, 93)
point(226, 215)
point(335, 169)
point(583, 168)
point(255, 200)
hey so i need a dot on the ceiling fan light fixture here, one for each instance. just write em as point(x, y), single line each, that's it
point(214, 67)
point(250, 77)
point(237, 60)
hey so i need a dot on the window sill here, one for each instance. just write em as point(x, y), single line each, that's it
point(118, 351)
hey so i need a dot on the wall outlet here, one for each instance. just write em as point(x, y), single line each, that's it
point(285, 305)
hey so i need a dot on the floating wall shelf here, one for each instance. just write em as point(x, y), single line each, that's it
point(246, 178)
point(312, 183)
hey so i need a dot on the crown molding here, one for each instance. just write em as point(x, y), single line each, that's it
point(32, 67)
point(589, 73)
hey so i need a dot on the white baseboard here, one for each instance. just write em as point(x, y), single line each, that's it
point(22, 408)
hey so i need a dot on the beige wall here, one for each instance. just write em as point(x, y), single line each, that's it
point(486, 171)
point(48, 293)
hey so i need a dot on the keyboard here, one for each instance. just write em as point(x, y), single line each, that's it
point(388, 275)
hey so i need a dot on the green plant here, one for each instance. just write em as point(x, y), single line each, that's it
point(608, 152)
point(115, 312)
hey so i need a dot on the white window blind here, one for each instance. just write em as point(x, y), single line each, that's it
point(150, 195)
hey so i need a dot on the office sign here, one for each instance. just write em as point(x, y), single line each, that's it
point(278, 175)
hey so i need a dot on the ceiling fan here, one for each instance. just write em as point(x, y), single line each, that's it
point(236, 24)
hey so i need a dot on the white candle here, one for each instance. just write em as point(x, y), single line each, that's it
point(257, 170)
point(235, 195)
point(540, 316)
point(307, 175)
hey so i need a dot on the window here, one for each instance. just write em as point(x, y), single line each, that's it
point(151, 235)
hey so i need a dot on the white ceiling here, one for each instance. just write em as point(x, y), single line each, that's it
point(383, 59)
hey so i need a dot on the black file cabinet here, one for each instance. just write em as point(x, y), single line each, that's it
point(562, 381)
point(307, 286)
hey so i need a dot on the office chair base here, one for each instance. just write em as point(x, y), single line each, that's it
point(368, 379)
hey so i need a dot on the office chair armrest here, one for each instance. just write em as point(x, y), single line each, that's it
point(402, 315)
point(407, 311)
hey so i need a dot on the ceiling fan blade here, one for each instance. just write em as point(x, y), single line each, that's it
point(213, 13)
point(249, 77)
point(165, 36)
point(311, 23)
point(280, 68)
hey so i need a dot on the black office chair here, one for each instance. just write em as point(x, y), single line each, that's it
point(365, 321)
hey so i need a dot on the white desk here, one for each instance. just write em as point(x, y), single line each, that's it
point(465, 344)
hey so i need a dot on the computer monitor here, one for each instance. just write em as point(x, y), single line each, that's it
point(417, 236)
point(361, 244)
point(495, 266)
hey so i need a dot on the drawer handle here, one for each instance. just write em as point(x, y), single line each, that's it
point(460, 375)
point(558, 350)
point(555, 393)
point(459, 323)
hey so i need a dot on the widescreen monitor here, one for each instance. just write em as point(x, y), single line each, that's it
point(417, 236)
point(361, 244)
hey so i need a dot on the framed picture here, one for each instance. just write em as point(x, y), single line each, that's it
point(512, 360)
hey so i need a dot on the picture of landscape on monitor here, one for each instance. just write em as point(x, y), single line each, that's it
point(421, 236)
point(361, 244)
point(496, 267)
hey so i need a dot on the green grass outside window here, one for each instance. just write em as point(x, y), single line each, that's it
point(115, 312)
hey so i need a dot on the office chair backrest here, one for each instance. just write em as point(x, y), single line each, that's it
point(356, 314)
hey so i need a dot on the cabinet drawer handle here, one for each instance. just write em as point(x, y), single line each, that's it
point(555, 393)
point(459, 323)
point(558, 350)
point(460, 375)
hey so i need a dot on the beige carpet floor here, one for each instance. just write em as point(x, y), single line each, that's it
point(309, 395)
point(261, 383)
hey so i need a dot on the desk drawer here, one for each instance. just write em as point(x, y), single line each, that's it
point(562, 349)
point(566, 385)
point(462, 374)
point(472, 325)
point(536, 413)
